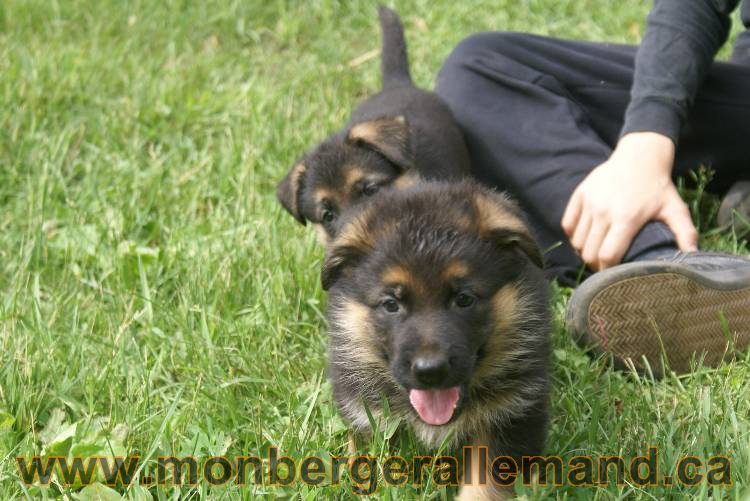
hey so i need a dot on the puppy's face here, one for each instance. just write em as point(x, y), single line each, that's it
point(428, 287)
point(346, 169)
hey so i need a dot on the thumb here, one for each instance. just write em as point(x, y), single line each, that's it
point(676, 215)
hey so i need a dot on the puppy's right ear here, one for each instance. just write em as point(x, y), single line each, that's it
point(289, 191)
point(388, 135)
point(352, 244)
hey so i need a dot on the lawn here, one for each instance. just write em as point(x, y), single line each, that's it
point(154, 298)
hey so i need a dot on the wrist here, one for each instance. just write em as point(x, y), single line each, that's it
point(651, 149)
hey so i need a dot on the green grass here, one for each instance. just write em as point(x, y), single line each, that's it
point(153, 293)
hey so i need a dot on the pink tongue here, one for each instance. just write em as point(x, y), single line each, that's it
point(434, 406)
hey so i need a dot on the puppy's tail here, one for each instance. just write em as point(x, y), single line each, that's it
point(394, 61)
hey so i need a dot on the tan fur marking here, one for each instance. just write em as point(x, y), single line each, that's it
point(296, 174)
point(505, 306)
point(355, 320)
point(353, 175)
point(407, 180)
point(357, 315)
point(464, 222)
point(366, 131)
point(321, 194)
point(455, 270)
point(388, 135)
point(481, 493)
point(492, 216)
point(322, 234)
point(370, 131)
point(351, 444)
point(356, 234)
point(485, 492)
point(386, 229)
point(397, 275)
point(477, 491)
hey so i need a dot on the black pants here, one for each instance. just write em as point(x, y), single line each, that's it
point(539, 114)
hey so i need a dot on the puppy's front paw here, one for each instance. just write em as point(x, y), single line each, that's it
point(351, 444)
point(485, 492)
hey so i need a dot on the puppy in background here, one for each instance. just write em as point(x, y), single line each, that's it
point(437, 301)
point(392, 139)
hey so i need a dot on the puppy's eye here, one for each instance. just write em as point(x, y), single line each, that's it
point(390, 305)
point(370, 190)
point(464, 300)
point(327, 216)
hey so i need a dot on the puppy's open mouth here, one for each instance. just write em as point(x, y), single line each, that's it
point(435, 407)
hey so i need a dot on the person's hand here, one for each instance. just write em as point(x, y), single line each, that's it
point(620, 196)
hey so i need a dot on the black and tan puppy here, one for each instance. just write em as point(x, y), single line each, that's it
point(437, 301)
point(393, 138)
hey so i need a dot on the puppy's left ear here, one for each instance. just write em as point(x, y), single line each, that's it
point(352, 243)
point(387, 135)
point(501, 221)
point(521, 239)
point(289, 190)
point(337, 260)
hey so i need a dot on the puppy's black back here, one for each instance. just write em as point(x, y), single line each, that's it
point(438, 146)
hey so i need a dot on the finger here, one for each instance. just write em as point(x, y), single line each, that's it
point(616, 243)
point(676, 215)
point(591, 247)
point(581, 231)
point(572, 214)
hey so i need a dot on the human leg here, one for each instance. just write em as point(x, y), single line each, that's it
point(539, 114)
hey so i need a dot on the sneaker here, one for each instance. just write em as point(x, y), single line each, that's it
point(734, 211)
point(689, 305)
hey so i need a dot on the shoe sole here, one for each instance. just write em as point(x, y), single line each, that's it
point(659, 310)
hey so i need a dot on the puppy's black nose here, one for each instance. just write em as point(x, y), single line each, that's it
point(431, 369)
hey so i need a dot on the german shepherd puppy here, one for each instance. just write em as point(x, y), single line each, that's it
point(392, 139)
point(437, 302)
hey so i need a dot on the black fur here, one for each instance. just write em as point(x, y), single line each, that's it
point(394, 64)
point(498, 358)
point(417, 136)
